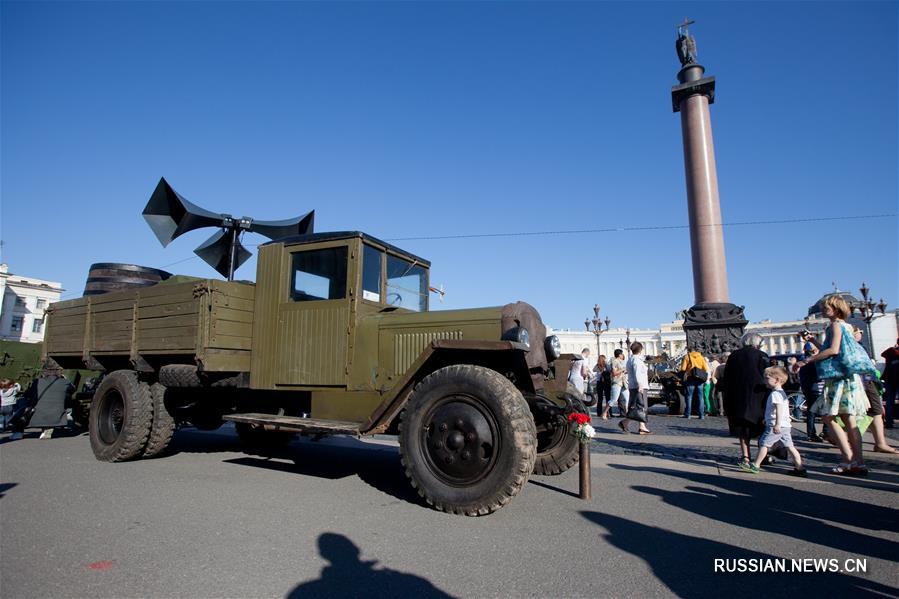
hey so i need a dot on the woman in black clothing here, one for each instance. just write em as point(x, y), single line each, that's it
point(745, 392)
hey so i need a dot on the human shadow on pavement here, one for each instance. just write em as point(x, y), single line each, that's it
point(780, 509)
point(4, 487)
point(686, 565)
point(348, 576)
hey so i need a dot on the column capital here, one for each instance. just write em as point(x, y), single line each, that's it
point(704, 86)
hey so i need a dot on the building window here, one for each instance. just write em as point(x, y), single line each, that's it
point(41, 303)
point(17, 322)
point(20, 301)
point(37, 325)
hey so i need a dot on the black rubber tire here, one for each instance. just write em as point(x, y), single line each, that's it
point(120, 417)
point(185, 376)
point(493, 420)
point(675, 403)
point(557, 450)
point(179, 376)
point(162, 427)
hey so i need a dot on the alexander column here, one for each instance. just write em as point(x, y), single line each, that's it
point(713, 325)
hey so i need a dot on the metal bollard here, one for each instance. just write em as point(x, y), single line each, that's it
point(585, 471)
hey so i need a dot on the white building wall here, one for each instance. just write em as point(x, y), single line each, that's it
point(23, 305)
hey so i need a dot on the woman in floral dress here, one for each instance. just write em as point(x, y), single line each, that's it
point(844, 396)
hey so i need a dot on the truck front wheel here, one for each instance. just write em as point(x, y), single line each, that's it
point(467, 440)
point(120, 417)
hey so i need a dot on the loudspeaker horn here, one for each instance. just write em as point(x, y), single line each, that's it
point(170, 215)
point(217, 251)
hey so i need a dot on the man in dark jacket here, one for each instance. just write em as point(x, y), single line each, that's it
point(745, 392)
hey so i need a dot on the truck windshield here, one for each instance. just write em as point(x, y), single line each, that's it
point(407, 284)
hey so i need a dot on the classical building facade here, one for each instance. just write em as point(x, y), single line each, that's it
point(779, 337)
point(24, 300)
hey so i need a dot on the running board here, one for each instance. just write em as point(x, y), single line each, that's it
point(293, 424)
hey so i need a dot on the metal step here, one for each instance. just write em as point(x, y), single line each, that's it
point(294, 424)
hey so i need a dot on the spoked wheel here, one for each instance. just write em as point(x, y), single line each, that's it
point(120, 417)
point(467, 440)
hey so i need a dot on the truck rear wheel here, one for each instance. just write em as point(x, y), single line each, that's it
point(467, 440)
point(163, 425)
point(120, 417)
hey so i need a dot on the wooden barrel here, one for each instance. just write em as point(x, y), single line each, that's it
point(105, 277)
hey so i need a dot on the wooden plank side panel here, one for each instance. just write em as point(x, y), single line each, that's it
point(232, 329)
point(60, 331)
point(74, 310)
point(104, 318)
point(181, 344)
point(225, 342)
point(177, 307)
point(167, 294)
point(189, 332)
point(230, 360)
point(231, 315)
point(165, 322)
point(126, 304)
point(61, 345)
point(234, 290)
point(66, 319)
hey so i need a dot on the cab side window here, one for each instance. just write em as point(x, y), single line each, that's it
point(319, 275)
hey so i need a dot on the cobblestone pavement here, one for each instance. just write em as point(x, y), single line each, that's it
point(708, 439)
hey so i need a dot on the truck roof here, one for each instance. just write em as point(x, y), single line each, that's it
point(334, 235)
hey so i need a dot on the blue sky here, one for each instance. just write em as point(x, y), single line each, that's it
point(433, 119)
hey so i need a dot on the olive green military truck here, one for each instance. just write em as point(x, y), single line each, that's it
point(334, 338)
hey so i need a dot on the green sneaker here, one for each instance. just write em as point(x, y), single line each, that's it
point(749, 467)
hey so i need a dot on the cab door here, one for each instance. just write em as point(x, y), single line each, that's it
point(313, 318)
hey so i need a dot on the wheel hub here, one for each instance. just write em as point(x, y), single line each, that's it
point(111, 417)
point(460, 441)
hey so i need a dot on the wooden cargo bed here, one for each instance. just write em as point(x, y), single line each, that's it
point(207, 322)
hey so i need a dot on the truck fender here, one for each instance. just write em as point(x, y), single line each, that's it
point(506, 357)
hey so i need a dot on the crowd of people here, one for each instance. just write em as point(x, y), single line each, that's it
point(837, 379)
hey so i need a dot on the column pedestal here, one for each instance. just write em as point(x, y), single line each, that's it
point(714, 328)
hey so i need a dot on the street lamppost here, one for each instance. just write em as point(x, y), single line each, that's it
point(866, 311)
point(597, 329)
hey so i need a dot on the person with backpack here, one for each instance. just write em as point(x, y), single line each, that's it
point(694, 370)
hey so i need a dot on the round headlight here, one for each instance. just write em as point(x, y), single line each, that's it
point(518, 335)
point(553, 348)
